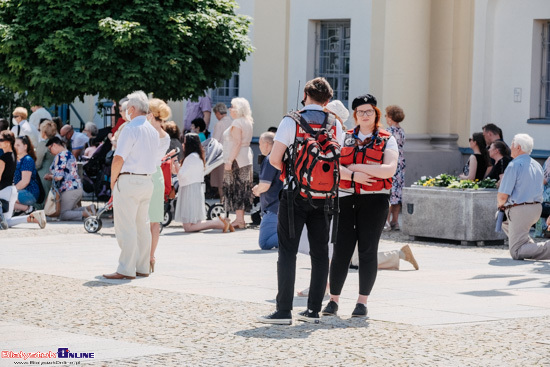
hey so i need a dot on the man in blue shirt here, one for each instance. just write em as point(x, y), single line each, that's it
point(268, 190)
point(520, 197)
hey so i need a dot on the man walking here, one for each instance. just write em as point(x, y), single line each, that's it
point(139, 148)
point(520, 197)
point(303, 211)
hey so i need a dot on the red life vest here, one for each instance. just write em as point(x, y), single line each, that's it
point(371, 153)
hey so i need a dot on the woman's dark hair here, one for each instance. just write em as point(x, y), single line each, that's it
point(480, 141)
point(8, 136)
point(30, 148)
point(58, 122)
point(199, 122)
point(502, 148)
point(192, 144)
point(55, 140)
point(4, 124)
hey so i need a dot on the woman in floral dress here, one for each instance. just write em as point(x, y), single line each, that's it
point(394, 116)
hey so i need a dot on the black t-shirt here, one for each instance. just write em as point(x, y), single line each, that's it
point(499, 167)
point(9, 170)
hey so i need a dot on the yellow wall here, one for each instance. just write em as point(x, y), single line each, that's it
point(402, 76)
point(270, 68)
point(451, 60)
point(422, 60)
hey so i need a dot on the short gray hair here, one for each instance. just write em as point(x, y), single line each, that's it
point(220, 108)
point(524, 141)
point(124, 106)
point(91, 127)
point(139, 100)
point(268, 137)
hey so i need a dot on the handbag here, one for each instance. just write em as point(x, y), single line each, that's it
point(52, 205)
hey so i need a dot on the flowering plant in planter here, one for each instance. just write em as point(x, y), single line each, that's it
point(453, 182)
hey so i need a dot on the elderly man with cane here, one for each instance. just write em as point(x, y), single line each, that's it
point(139, 148)
point(520, 197)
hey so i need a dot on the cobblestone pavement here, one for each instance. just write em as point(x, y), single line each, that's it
point(213, 331)
point(209, 331)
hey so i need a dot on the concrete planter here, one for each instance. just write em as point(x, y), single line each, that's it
point(467, 215)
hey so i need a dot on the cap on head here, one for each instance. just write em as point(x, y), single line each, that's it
point(364, 99)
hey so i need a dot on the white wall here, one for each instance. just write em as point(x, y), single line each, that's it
point(502, 61)
point(302, 12)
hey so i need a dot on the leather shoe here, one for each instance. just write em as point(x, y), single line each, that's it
point(145, 275)
point(117, 276)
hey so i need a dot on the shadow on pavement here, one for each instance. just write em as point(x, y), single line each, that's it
point(507, 261)
point(102, 282)
point(258, 251)
point(301, 330)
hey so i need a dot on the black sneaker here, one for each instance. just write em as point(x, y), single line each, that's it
point(331, 309)
point(360, 310)
point(3, 221)
point(277, 318)
point(309, 316)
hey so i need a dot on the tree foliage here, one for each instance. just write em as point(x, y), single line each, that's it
point(58, 50)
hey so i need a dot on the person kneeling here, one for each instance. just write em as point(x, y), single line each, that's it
point(190, 205)
point(268, 190)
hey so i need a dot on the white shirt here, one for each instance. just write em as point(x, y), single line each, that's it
point(140, 147)
point(26, 129)
point(38, 115)
point(191, 170)
point(286, 133)
point(79, 140)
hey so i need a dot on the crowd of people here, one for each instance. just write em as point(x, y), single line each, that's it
point(36, 154)
point(362, 169)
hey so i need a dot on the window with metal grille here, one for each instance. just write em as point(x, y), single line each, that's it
point(227, 91)
point(333, 50)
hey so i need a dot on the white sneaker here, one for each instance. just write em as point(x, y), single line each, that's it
point(40, 217)
point(387, 227)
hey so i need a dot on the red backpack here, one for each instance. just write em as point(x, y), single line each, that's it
point(314, 162)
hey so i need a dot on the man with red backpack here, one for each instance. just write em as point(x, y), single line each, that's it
point(307, 151)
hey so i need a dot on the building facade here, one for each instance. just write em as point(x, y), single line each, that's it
point(453, 65)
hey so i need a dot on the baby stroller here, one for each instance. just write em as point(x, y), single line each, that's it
point(213, 156)
point(97, 172)
point(93, 224)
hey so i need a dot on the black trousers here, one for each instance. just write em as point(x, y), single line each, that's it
point(318, 236)
point(361, 222)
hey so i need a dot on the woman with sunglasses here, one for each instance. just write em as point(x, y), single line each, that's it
point(368, 162)
point(25, 178)
point(479, 164)
point(7, 190)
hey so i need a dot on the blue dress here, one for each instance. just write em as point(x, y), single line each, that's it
point(27, 164)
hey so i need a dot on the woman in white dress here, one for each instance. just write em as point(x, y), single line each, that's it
point(190, 205)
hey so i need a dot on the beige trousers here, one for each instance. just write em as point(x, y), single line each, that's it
point(517, 227)
point(131, 197)
point(69, 205)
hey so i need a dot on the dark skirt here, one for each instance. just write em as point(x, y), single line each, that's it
point(237, 188)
